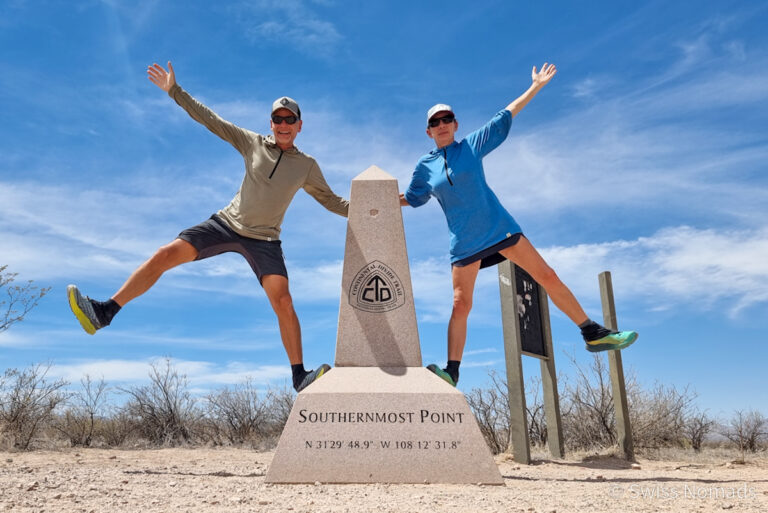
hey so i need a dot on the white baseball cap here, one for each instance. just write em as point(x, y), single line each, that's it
point(440, 107)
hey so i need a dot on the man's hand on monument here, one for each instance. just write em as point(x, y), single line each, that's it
point(403, 201)
point(161, 78)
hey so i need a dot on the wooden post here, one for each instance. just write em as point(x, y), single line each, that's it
point(513, 354)
point(549, 384)
point(621, 408)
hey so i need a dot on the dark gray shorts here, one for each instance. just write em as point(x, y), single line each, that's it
point(213, 237)
point(490, 256)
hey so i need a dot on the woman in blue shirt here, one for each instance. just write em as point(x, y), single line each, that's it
point(483, 233)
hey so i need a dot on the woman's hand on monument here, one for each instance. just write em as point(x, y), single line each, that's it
point(161, 78)
point(542, 77)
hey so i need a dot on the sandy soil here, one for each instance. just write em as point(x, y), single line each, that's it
point(202, 480)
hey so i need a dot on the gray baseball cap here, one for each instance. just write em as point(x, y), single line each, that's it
point(440, 107)
point(285, 102)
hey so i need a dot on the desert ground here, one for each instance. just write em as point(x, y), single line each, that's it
point(232, 480)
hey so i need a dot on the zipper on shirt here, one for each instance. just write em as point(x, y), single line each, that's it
point(276, 163)
point(445, 166)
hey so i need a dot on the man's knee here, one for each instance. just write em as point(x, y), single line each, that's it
point(173, 254)
point(283, 303)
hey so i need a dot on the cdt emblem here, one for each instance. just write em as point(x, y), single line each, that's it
point(376, 288)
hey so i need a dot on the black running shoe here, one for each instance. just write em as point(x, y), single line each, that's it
point(313, 376)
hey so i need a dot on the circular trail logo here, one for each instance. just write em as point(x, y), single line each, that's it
point(376, 288)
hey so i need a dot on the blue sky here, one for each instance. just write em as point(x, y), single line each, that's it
point(644, 156)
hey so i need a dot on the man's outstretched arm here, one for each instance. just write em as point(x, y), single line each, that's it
point(539, 80)
point(166, 80)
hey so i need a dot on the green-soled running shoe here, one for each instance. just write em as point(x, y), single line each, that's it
point(441, 373)
point(313, 376)
point(612, 341)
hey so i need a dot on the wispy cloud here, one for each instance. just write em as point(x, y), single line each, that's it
point(199, 373)
point(682, 267)
point(295, 22)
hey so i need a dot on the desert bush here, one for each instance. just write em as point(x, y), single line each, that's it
point(239, 413)
point(658, 415)
point(696, 428)
point(84, 412)
point(587, 407)
point(117, 427)
point(279, 404)
point(491, 409)
point(27, 403)
point(163, 412)
point(18, 300)
point(746, 429)
point(534, 406)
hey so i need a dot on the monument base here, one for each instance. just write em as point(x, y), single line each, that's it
point(382, 425)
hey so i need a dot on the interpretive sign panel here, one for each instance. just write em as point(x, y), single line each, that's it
point(529, 311)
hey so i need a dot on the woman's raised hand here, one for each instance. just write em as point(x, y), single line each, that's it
point(542, 77)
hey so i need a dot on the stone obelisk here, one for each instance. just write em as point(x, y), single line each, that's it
point(379, 416)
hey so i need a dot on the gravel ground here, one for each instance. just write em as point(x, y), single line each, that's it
point(219, 480)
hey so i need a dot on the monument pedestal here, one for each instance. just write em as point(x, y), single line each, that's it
point(382, 425)
point(379, 416)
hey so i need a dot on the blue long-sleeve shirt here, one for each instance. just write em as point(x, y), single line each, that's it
point(455, 176)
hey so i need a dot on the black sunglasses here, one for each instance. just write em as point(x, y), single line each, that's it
point(447, 120)
point(288, 119)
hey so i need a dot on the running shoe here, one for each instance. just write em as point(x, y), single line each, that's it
point(441, 374)
point(612, 341)
point(313, 376)
point(83, 309)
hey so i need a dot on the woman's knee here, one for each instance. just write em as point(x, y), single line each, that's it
point(548, 277)
point(462, 304)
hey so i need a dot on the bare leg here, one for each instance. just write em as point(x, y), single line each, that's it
point(525, 255)
point(177, 252)
point(463, 289)
point(276, 288)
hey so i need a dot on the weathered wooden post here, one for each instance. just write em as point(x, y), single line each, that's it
point(620, 405)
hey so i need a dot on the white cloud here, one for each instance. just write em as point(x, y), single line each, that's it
point(199, 373)
point(702, 269)
point(294, 22)
point(678, 267)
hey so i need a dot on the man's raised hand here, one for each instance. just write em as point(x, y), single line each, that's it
point(541, 78)
point(161, 78)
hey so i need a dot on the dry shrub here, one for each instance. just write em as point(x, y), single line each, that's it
point(27, 402)
point(240, 415)
point(747, 430)
point(84, 414)
point(117, 427)
point(491, 409)
point(18, 299)
point(697, 426)
point(164, 412)
point(658, 416)
point(587, 407)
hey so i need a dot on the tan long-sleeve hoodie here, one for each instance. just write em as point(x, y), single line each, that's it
point(272, 176)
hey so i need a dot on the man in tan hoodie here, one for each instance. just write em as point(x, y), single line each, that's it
point(250, 225)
